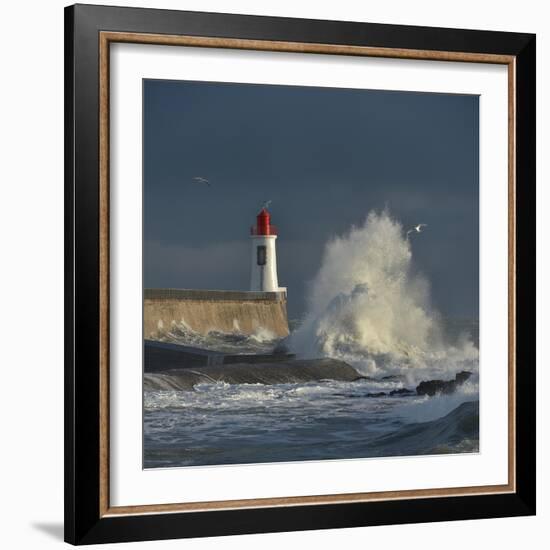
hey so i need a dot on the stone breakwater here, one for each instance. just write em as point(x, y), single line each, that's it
point(172, 367)
point(281, 372)
point(204, 311)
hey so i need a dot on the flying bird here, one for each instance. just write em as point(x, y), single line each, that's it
point(417, 228)
point(200, 179)
point(266, 204)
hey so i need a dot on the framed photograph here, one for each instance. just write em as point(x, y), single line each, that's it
point(300, 274)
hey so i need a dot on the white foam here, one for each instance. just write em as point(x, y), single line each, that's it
point(367, 307)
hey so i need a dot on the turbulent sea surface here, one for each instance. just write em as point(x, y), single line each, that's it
point(232, 424)
point(367, 307)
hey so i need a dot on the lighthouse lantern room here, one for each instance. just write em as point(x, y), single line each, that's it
point(263, 275)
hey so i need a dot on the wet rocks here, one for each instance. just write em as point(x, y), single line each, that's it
point(433, 387)
point(402, 392)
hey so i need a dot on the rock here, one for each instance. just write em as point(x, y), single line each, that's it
point(399, 392)
point(462, 376)
point(433, 387)
point(377, 394)
point(402, 391)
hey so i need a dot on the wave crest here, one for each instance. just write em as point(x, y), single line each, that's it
point(367, 307)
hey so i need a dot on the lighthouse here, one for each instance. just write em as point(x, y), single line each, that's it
point(263, 273)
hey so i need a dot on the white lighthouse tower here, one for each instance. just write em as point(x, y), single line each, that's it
point(263, 274)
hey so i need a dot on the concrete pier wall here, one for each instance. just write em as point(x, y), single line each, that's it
point(161, 356)
point(214, 310)
point(281, 372)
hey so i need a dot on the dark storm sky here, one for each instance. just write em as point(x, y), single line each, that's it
point(325, 157)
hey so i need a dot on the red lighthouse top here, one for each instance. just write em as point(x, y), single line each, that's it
point(263, 224)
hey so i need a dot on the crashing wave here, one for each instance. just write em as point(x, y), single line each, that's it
point(369, 308)
point(260, 342)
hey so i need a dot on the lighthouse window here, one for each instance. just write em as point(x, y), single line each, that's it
point(261, 255)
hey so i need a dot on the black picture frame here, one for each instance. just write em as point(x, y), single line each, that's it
point(84, 523)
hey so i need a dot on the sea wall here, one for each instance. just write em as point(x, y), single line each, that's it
point(161, 356)
point(204, 311)
point(293, 371)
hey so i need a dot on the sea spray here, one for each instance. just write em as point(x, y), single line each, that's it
point(262, 341)
point(367, 307)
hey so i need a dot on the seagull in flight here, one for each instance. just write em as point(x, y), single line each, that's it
point(266, 204)
point(200, 179)
point(417, 228)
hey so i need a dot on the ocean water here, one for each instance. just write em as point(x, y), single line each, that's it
point(240, 424)
point(219, 423)
point(368, 307)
